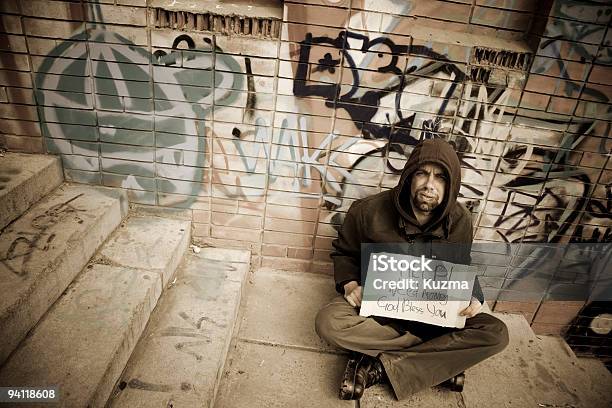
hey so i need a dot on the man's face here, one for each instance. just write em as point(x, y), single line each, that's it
point(427, 187)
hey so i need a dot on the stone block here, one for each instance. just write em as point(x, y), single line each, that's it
point(148, 243)
point(46, 248)
point(189, 334)
point(25, 179)
point(84, 341)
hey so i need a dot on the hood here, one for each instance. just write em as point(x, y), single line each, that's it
point(429, 151)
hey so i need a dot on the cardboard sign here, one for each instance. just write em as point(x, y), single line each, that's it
point(417, 288)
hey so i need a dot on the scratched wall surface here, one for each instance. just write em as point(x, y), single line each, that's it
point(267, 142)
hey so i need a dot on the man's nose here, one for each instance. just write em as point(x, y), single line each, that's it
point(430, 181)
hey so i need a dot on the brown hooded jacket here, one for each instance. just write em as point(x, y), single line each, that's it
point(387, 217)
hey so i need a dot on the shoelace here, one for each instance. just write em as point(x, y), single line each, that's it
point(375, 372)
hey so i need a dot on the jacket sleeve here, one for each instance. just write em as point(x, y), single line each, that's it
point(347, 250)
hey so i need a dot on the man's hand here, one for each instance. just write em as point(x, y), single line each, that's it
point(473, 309)
point(352, 293)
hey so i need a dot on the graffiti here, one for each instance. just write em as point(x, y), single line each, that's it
point(130, 115)
point(361, 104)
point(201, 120)
point(487, 113)
point(25, 246)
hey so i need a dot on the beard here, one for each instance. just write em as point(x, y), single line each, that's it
point(426, 200)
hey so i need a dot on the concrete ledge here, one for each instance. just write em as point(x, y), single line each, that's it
point(180, 357)
point(150, 243)
point(227, 255)
point(85, 340)
point(24, 180)
point(43, 251)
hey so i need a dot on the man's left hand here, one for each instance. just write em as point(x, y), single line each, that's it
point(473, 309)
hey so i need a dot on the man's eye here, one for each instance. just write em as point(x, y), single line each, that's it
point(442, 177)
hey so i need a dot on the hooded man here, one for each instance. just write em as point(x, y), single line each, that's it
point(421, 210)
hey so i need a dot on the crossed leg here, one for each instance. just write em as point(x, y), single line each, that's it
point(411, 363)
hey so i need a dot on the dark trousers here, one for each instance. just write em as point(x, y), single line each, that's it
point(412, 363)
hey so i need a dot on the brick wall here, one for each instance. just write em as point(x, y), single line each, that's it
point(268, 140)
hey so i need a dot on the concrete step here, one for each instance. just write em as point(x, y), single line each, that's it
point(149, 243)
point(181, 355)
point(43, 251)
point(24, 180)
point(83, 343)
point(279, 356)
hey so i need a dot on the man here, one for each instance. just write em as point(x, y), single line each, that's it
point(421, 210)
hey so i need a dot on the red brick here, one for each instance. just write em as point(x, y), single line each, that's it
point(558, 312)
point(520, 5)
point(603, 89)
point(231, 243)
point(22, 143)
point(540, 83)
point(201, 216)
point(548, 329)
point(289, 264)
point(562, 105)
point(25, 112)
point(590, 159)
point(224, 205)
point(275, 224)
point(272, 237)
point(326, 230)
point(200, 230)
point(327, 16)
point(249, 208)
point(295, 199)
point(442, 10)
point(601, 75)
point(325, 268)
point(527, 309)
point(236, 234)
point(236, 220)
point(20, 127)
point(534, 101)
point(323, 243)
point(322, 255)
point(300, 253)
point(274, 250)
point(291, 213)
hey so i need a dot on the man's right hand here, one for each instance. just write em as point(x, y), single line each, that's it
point(352, 293)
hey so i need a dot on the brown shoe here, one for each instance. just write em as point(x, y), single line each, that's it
point(350, 387)
point(361, 372)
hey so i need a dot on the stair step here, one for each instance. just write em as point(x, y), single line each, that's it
point(43, 251)
point(24, 180)
point(79, 345)
point(87, 337)
point(150, 243)
point(180, 357)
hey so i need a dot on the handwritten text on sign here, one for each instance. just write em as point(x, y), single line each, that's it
point(417, 288)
